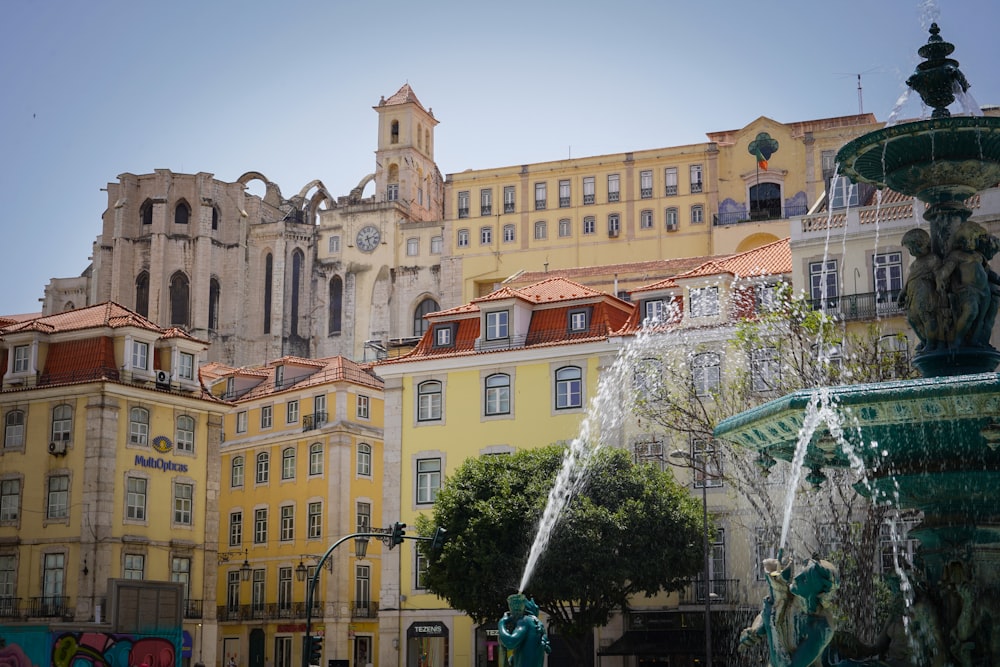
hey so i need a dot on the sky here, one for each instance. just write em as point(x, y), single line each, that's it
point(92, 89)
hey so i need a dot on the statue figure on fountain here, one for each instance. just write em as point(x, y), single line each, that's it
point(919, 297)
point(521, 632)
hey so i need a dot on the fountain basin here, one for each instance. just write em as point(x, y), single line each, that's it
point(937, 160)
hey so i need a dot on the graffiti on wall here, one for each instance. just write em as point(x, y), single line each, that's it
point(91, 649)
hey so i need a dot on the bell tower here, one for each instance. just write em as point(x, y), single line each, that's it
point(405, 171)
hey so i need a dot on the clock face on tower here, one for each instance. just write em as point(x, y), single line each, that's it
point(368, 238)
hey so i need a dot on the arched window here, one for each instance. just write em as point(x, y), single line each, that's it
point(498, 394)
point(138, 426)
point(268, 275)
point(215, 217)
point(288, 463)
point(146, 212)
point(569, 388)
point(142, 294)
point(184, 438)
point(364, 459)
point(336, 305)
point(765, 201)
point(316, 458)
point(263, 468)
point(179, 297)
point(394, 132)
point(13, 435)
point(214, 292)
point(236, 472)
point(182, 213)
point(426, 306)
point(62, 423)
point(68, 306)
point(429, 401)
point(297, 260)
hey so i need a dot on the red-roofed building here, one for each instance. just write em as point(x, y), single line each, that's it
point(108, 471)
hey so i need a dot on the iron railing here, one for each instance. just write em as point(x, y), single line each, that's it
point(47, 607)
point(271, 611)
point(867, 306)
point(313, 421)
point(194, 608)
point(721, 591)
point(364, 609)
point(759, 215)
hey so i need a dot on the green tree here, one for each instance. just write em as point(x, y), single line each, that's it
point(630, 530)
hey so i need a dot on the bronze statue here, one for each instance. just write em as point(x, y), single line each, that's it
point(523, 634)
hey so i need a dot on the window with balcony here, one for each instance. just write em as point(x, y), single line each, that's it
point(888, 269)
point(486, 201)
point(614, 188)
point(696, 182)
point(670, 181)
point(463, 204)
point(509, 199)
point(646, 184)
point(823, 283)
point(540, 197)
point(564, 194)
point(589, 190)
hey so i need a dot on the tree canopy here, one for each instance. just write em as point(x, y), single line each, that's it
point(631, 529)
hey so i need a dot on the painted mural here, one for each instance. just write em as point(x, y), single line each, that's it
point(86, 649)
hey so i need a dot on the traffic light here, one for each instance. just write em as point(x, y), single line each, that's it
point(314, 649)
point(437, 542)
point(397, 534)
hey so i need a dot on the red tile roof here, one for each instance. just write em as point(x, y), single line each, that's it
point(108, 314)
point(325, 370)
point(80, 360)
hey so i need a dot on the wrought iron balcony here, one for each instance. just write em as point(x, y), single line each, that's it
point(564, 202)
point(47, 607)
point(613, 196)
point(670, 191)
point(866, 306)
point(696, 187)
point(508, 207)
point(759, 215)
point(463, 212)
point(646, 193)
point(721, 591)
point(486, 209)
point(588, 199)
point(313, 421)
point(10, 608)
point(193, 608)
point(268, 612)
point(539, 204)
point(364, 609)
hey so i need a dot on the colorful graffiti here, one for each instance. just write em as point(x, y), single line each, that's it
point(93, 649)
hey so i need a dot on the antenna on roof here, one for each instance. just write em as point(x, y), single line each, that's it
point(861, 101)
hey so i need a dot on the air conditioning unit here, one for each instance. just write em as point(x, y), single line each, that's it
point(57, 448)
point(162, 379)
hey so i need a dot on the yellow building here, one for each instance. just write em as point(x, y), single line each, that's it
point(106, 473)
point(732, 193)
point(302, 465)
point(515, 369)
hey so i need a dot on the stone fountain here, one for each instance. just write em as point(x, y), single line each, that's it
point(929, 444)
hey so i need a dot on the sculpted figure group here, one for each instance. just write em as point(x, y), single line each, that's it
point(523, 634)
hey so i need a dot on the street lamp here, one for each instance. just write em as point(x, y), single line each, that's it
point(706, 551)
point(245, 569)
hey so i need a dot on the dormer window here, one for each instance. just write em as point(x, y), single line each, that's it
point(279, 376)
point(497, 326)
point(185, 366)
point(22, 358)
point(579, 320)
point(655, 310)
point(140, 355)
point(444, 336)
point(704, 301)
point(230, 387)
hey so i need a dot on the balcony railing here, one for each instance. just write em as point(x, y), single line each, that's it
point(268, 612)
point(670, 191)
point(486, 209)
point(539, 204)
point(47, 607)
point(696, 188)
point(313, 421)
point(860, 306)
point(613, 197)
point(463, 212)
point(364, 610)
point(193, 608)
point(508, 207)
point(759, 215)
point(721, 590)
point(588, 199)
point(646, 193)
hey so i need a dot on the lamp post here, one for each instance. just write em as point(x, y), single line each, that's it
point(706, 550)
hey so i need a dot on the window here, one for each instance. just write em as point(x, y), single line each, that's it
point(486, 202)
point(705, 373)
point(268, 290)
point(437, 245)
point(540, 231)
point(363, 406)
point(334, 244)
point(428, 480)
point(589, 224)
point(646, 184)
point(13, 435)
point(335, 307)
point(670, 181)
point(180, 573)
point(496, 325)
point(564, 194)
point(235, 529)
point(588, 190)
point(823, 282)
point(540, 196)
point(140, 355)
point(236, 472)
point(569, 388)
point(706, 465)
point(288, 463)
point(287, 523)
point(579, 320)
point(315, 519)
point(614, 188)
point(364, 459)
point(316, 458)
point(146, 212)
point(498, 394)
point(263, 468)
point(183, 499)
point(260, 525)
point(646, 219)
point(184, 436)
point(429, 401)
point(22, 358)
point(10, 501)
point(767, 297)
point(671, 218)
point(844, 193)
point(291, 412)
point(420, 322)
point(888, 268)
point(182, 213)
point(215, 217)
point(257, 588)
point(485, 235)
point(319, 410)
point(135, 499)
point(444, 336)
point(266, 416)
point(179, 298)
point(412, 247)
point(233, 591)
point(421, 571)
point(656, 311)
point(241, 421)
point(138, 426)
point(8, 583)
point(614, 224)
point(53, 573)
point(697, 214)
point(696, 185)
point(509, 201)
point(894, 355)
point(508, 234)
point(463, 204)
point(362, 588)
point(463, 238)
point(704, 301)
point(134, 567)
point(185, 366)
point(765, 368)
point(565, 228)
point(285, 604)
point(364, 517)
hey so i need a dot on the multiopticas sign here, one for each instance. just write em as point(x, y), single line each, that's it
point(159, 464)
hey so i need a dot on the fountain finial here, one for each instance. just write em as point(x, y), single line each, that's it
point(936, 77)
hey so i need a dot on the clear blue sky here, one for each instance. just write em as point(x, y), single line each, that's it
point(91, 89)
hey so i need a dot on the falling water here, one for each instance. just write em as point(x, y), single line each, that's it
point(898, 107)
